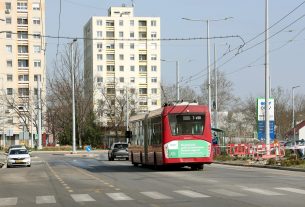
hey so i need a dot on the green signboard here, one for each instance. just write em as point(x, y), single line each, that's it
point(188, 149)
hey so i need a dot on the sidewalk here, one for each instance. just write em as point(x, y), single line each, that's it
point(259, 164)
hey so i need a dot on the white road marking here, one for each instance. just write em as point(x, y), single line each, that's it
point(156, 195)
point(8, 201)
point(45, 199)
point(294, 190)
point(191, 194)
point(227, 192)
point(262, 191)
point(82, 197)
point(119, 196)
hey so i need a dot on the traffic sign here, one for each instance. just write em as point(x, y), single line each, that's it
point(88, 148)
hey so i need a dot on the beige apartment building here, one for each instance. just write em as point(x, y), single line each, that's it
point(22, 62)
point(122, 62)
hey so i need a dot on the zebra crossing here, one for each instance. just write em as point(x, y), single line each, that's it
point(120, 196)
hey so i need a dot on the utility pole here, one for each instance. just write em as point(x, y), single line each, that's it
point(293, 119)
point(216, 88)
point(267, 78)
point(127, 111)
point(39, 112)
point(73, 99)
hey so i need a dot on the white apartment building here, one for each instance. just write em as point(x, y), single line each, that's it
point(22, 62)
point(122, 59)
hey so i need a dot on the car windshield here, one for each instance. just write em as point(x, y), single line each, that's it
point(120, 146)
point(18, 151)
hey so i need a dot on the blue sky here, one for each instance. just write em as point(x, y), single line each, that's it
point(245, 70)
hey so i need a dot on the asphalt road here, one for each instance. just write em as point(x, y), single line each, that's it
point(56, 179)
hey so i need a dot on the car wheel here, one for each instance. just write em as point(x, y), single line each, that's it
point(8, 166)
point(28, 165)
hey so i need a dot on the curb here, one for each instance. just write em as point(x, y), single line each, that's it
point(262, 166)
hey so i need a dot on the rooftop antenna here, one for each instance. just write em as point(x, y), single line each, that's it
point(132, 3)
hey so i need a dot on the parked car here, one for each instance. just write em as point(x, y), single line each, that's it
point(15, 146)
point(18, 157)
point(118, 150)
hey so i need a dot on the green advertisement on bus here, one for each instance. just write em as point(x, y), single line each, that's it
point(188, 149)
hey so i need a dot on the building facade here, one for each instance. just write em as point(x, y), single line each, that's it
point(122, 63)
point(22, 63)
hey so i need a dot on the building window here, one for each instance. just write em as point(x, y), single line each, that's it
point(99, 68)
point(22, 35)
point(99, 22)
point(132, 57)
point(36, 6)
point(132, 79)
point(143, 103)
point(9, 35)
point(99, 79)
point(109, 23)
point(142, 91)
point(142, 34)
point(110, 56)
point(131, 45)
point(37, 63)
point(110, 46)
point(121, 57)
point(22, 21)
point(122, 91)
point(99, 57)
point(110, 68)
point(110, 34)
point(9, 63)
point(9, 91)
point(8, 5)
point(36, 35)
point(122, 68)
point(153, 35)
point(153, 23)
point(23, 77)
point(154, 80)
point(142, 80)
point(35, 78)
point(111, 91)
point(142, 57)
point(131, 34)
point(154, 102)
point(142, 23)
point(23, 49)
point(9, 48)
point(153, 57)
point(153, 68)
point(121, 23)
point(110, 79)
point(99, 34)
point(121, 79)
point(132, 68)
point(121, 45)
point(154, 91)
point(153, 46)
point(23, 91)
point(23, 63)
point(22, 6)
point(142, 68)
point(132, 23)
point(121, 34)
point(8, 20)
point(37, 48)
point(99, 45)
point(36, 21)
point(9, 77)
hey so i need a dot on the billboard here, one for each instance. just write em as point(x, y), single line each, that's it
point(260, 109)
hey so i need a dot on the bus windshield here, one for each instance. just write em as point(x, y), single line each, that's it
point(186, 124)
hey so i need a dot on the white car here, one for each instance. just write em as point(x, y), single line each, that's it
point(18, 156)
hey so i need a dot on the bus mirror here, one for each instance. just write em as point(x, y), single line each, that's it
point(128, 134)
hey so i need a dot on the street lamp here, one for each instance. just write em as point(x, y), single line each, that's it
point(208, 51)
point(73, 99)
point(293, 121)
point(177, 77)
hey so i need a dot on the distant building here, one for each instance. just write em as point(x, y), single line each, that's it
point(299, 131)
point(122, 59)
point(22, 61)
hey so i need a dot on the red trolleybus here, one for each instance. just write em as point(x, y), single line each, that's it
point(178, 135)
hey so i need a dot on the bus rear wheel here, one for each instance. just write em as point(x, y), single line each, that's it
point(197, 167)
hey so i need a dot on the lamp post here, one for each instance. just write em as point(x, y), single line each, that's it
point(208, 51)
point(293, 121)
point(73, 99)
point(177, 78)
